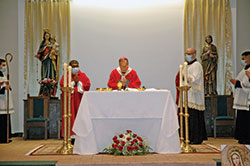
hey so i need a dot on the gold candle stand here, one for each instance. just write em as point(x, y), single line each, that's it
point(185, 146)
point(70, 146)
point(67, 147)
point(181, 117)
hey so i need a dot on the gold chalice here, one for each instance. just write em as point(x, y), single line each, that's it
point(119, 85)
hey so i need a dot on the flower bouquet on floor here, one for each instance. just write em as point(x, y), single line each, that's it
point(128, 144)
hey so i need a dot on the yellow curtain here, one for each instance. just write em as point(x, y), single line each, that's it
point(211, 17)
point(39, 15)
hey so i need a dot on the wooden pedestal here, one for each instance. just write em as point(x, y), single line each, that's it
point(54, 119)
point(214, 106)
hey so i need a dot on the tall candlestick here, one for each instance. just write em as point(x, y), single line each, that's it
point(181, 75)
point(69, 109)
point(65, 75)
point(64, 149)
point(185, 73)
point(70, 69)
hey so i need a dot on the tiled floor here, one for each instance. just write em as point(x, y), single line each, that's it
point(16, 150)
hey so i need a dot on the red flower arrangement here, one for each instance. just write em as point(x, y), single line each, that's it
point(128, 144)
point(47, 86)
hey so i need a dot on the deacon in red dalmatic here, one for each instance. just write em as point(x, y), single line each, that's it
point(80, 82)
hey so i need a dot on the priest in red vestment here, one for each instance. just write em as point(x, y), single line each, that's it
point(80, 82)
point(124, 74)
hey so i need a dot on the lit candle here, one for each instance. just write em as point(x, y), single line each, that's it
point(70, 69)
point(181, 78)
point(185, 73)
point(65, 75)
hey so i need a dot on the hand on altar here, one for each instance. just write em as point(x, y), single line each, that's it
point(247, 73)
point(76, 78)
point(233, 81)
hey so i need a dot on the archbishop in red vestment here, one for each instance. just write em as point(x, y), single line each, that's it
point(125, 74)
point(80, 82)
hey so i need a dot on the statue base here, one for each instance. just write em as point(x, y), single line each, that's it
point(216, 105)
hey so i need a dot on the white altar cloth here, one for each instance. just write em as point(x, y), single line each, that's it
point(150, 114)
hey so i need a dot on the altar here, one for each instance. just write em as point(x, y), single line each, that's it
point(150, 114)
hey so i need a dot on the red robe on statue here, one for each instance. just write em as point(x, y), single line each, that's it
point(76, 96)
point(130, 75)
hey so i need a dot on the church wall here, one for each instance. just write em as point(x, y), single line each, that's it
point(243, 29)
point(9, 43)
point(150, 37)
point(21, 15)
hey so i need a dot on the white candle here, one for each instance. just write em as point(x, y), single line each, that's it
point(181, 78)
point(185, 73)
point(70, 69)
point(65, 75)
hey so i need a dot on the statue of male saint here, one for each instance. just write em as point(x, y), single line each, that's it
point(209, 58)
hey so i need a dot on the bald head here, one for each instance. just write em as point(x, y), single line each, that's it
point(192, 52)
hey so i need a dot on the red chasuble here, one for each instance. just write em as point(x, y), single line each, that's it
point(75, 97)
point(130, 75)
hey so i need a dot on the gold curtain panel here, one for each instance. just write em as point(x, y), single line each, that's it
point(39, 15)
point(211, 17)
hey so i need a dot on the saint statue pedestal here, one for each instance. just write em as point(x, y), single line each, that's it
point(54, 113)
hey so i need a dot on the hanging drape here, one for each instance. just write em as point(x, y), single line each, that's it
point(211, 17)
point(53, 15)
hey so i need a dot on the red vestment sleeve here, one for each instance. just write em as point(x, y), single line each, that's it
point(113, 79)
point(85, 81)
point(177, 84)
point(61, 81)
point(75, 97)
point(134, 81)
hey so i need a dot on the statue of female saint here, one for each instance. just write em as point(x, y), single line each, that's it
point(209, 58)
point(48, 54)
